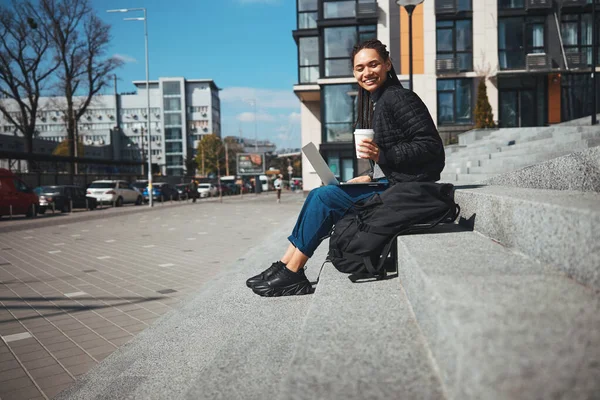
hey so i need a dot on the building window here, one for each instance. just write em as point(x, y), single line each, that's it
point(339, 9)
point(510, 4)
point(172, 133)
point(308, 14)
point(576, 30)
point(454, 99)
point(339, 112)
point(173, 147)
point(171, 88)
point(174, 160)
point(517, 37)
point(173, 119)
point(308, 65)
point(338, 44)
point(172, 104)
point(455, 41)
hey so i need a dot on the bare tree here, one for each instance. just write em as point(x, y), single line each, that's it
point(26, 64)
point(80, 40)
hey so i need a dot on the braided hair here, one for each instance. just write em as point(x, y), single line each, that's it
point(364, 118)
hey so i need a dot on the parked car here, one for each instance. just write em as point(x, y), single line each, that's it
point(114, 192)
point(16, 197)
point(162, 191)
point(185, 190)
point(140, 186)
point(61, 198)
point(207, 190)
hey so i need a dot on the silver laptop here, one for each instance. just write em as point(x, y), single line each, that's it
point(323, 170)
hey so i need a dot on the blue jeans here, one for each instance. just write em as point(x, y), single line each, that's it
point(323, 207)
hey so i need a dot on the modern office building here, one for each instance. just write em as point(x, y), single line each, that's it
point(535, 56)
point(181, 112)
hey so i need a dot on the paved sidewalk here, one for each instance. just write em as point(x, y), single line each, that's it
point(71, 294)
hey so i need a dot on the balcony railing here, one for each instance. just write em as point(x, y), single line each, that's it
point(538, 4)
point(445, 7)
point(576, 60)
point(366, 9)
point(538, 62)
point(446, 65)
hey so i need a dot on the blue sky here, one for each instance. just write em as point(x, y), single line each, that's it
point(245, 46)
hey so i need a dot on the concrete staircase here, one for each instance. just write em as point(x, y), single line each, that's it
point(504, 305)
point(483, 154)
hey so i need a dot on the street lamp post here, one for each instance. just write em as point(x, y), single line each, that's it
point(145, 19)
point(410, 5)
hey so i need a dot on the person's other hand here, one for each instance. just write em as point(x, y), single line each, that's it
point(369, 150)
point(360, 179)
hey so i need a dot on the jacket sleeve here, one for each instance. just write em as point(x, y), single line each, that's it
point(408, 119)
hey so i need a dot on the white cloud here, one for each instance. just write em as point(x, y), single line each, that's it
point(265, 98)
point(294, 117)
point(125, 58)
point(249, 117)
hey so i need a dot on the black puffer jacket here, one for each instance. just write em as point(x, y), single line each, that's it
point(411, 147)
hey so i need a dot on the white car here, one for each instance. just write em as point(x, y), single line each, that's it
point(114, 192)
point(207, 190)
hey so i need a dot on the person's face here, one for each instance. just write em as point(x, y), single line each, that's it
point(370, 70)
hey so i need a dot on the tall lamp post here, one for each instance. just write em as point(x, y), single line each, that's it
point(594, 63)
point(145, 19)
point(410, 5)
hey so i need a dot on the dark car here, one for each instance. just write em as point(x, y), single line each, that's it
point(63, 198)
point(15, 196)
point(162, 191)
point(185, 191)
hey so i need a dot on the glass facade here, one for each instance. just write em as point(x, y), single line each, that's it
point(307, 14)
point(339, 105)
point(339, 9)
point(308, 64)
point(522, 101)
point(577, 36)
point(517, 37)
point(172, 104)
point(454, 101)
point(338, 44)
point(455, 41)
point(172, 133)
point(171, 88)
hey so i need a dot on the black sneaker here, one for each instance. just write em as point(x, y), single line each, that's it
point(266, 274)
point(284, 283)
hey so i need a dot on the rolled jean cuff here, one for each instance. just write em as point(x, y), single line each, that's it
point(304, 250)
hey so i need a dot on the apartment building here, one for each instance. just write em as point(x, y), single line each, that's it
point(181, 112)
point(535, 56)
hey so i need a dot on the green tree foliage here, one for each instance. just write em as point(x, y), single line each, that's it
point(210, 154)
point(484, 118)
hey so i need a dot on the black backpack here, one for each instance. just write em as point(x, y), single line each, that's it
point(361, 240)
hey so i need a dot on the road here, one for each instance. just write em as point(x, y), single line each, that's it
point(74, 288)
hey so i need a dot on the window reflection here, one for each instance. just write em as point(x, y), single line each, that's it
point(339, 115)
point(455, 102)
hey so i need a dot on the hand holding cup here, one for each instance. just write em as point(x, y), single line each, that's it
point(365, 146)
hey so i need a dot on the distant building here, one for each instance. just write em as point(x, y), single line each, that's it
point(252, 146)
point(181, 112)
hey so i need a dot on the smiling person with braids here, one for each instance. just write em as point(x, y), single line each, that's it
point(406, 148)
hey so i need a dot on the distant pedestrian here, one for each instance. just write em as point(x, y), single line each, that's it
point(278, 182)
point(193, 190)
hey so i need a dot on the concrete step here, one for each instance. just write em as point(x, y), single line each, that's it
point(464, 178)
point(560, 228)
point(360, 341)
point(225, 342)
point(573, 142)
point(500, 325)
point(576, 171)
point(505, 161)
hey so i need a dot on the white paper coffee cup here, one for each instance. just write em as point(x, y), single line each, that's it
point(359, 136)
